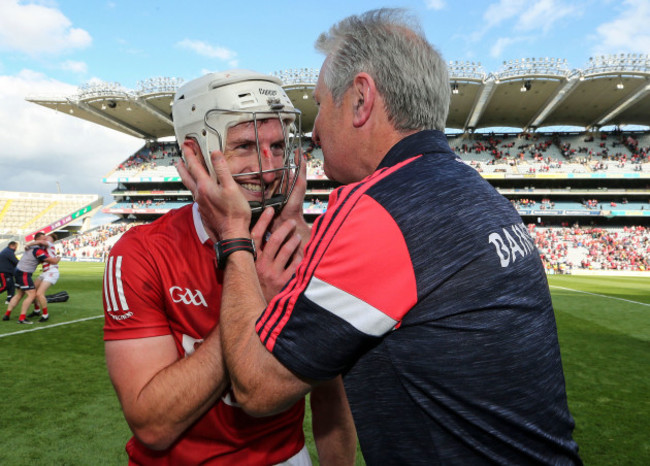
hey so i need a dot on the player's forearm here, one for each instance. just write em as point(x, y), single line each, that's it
point(241, 301)
point(261, 384)
point(332, 424)
point(178, 395)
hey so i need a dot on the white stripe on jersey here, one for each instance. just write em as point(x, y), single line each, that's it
point(115, 287)
point(107, 273)
point(120, 288)
point(111, 286)
point(356, 312)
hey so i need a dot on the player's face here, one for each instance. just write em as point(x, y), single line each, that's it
point(241, 154)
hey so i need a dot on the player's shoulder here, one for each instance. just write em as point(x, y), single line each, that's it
point(161, 233)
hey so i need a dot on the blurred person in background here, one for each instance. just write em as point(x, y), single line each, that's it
point(8, 262)
point(34, 255)
point(48, 277)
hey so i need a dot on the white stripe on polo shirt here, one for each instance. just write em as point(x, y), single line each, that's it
point(358, 313)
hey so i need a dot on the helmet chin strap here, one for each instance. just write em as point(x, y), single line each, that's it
point(277, 202)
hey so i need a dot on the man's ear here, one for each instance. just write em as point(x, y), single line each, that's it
point(363, 98)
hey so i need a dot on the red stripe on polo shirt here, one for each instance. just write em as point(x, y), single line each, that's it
point(279, 310)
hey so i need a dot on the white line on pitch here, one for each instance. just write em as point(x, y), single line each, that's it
point(50, 326)
point(601, 295)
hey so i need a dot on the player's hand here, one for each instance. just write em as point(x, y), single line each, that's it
point(224, 209)
point(279, 253)
point(293, 209)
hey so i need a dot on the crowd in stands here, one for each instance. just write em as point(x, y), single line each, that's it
point(570, 248)
point(562, 249)
point(150, 156)
point(546, 152)
point(545, 204)
point(148, 203)
point(93, 244)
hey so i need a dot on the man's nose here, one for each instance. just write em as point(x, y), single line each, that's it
point(315, 138)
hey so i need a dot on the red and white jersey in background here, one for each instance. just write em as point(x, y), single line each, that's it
point(162, 279)
point(51, 252)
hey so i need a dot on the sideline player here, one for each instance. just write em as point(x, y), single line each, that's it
point(8, 262)
point(162, 289)
point(48, 277)
point(32, 257)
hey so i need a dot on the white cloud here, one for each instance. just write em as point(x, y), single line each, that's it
point(435, 4)
point(497, 49)
point(207, 50)
point(523, 16)
point(41, 146)
point(628, 32)
point(74, 66)
point(37, 30)
point(543, 14)
point(497, 13)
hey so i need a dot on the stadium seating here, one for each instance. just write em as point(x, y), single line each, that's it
point(596, 182)
point(22, 213)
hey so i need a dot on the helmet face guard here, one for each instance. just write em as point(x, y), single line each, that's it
point(204, 110)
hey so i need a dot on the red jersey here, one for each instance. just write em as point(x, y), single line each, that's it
point(162, 279)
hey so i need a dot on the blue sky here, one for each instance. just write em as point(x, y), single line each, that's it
point(52, 47)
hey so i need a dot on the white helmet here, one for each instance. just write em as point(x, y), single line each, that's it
point(206, 107)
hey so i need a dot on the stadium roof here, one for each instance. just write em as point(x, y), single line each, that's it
point(529, 94)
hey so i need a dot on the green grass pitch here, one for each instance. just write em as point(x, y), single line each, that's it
point(58, 405)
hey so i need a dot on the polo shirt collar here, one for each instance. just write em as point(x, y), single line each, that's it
point(422, 142)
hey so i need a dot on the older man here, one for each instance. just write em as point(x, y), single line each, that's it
point(420, 282)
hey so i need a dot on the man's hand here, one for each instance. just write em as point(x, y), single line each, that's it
point(223, 207)
point(293, 208)
point(278, 255)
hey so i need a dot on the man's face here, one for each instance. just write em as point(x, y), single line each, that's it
point(241, 155)
point(329, 132)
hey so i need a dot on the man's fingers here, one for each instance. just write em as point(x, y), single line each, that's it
point(186, 178)
point(221, 170)
point(193, 164)
point(280, 237)
point(262, 225)
point(289, 250)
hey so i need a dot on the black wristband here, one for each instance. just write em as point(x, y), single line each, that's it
point(226, 247)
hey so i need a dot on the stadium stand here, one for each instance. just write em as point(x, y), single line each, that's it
point(572, 188)
point(94, 244)
point(22, 213)
point(567, 250)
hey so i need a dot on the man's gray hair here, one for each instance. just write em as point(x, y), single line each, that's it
point(390, 46)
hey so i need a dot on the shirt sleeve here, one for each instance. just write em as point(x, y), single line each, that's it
point(132, 296)
point(354, 286)
point(40, 254)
